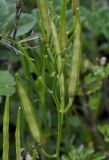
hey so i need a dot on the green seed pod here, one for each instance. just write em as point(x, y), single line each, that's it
point(43, 11)
point(62, 34)
point(17, 136)
point(75, 4)
point(6, 131)
point(28, 111)
point(76, 59)
point(59, 62)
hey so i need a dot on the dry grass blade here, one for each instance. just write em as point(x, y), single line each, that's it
point(6, 131)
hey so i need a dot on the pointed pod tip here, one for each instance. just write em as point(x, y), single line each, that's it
point(78, 9)
point(17, 77)
point(19, 108)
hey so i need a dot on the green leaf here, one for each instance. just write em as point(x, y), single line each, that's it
point(7, 19)
point(104, 130)
point(7, 83)
point(83, 153)
point(26, 23)
point(97, 19)
point(3, 14)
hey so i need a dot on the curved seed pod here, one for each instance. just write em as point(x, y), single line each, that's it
point(6, 131)
point(59, 62)
point(75, 4)
point(55, 39)
point(28, 111)
point(76, 59)
point(17, 136)
point(62, 35)
point(43, 11)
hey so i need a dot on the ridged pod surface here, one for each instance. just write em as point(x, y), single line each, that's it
point(6, 131)
point(17, 136)
point(76, 58)
point(28, 111)
point(59, 59)
point(43, 12)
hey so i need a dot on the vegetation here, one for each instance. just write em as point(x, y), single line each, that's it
point(54, 76)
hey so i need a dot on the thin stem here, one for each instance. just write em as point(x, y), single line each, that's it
point(56, 100)
point(60, 122)
point(43, 96)
point(68, 106)
point(19, 7)
point(48, 155)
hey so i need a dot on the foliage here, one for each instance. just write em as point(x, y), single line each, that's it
point(63, 95)
point(83, 154)
point(7, 83)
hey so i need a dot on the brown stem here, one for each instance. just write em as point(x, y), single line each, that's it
point(19, 7)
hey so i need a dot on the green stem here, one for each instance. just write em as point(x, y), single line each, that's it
point(43, 97)
point(60, 122)
point(68, 106)
point(47, 154)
